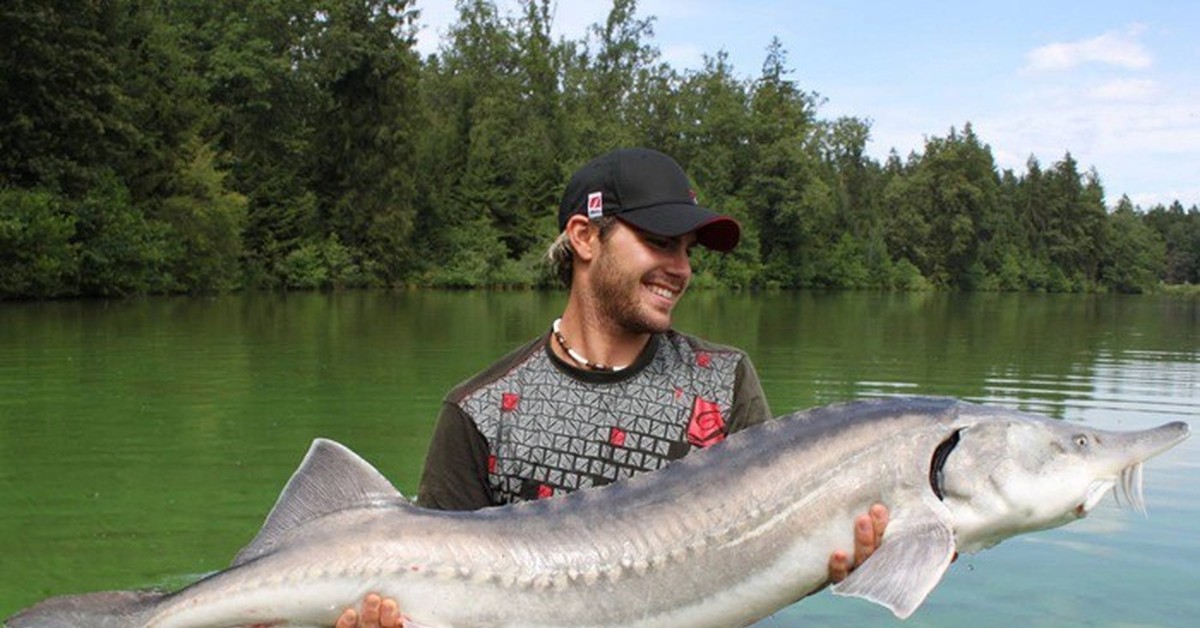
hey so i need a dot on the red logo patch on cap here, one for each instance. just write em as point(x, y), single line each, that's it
point(595, 207)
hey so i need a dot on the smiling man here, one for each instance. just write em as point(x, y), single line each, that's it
point(610, 390)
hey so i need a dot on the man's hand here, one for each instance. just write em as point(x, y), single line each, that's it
point(376, 613)
point(868, 530)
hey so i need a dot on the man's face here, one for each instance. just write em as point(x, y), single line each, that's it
point(638, 277)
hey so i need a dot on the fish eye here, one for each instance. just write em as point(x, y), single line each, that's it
point(1081, 441)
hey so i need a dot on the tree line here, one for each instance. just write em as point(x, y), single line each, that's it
point(161, 146)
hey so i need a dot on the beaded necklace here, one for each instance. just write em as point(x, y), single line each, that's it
point(579, 359)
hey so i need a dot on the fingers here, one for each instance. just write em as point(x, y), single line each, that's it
point(868, 534)
point(879, 519)
point(389, 614)
point(376, 613)
point(348, 619)
point(839, 566)
point(864, 539)
point(370, 611)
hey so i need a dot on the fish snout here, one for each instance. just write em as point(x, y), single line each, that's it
point(1129, 448)
point(1164, 437)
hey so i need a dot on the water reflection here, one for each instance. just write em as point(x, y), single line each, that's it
point(144, 440)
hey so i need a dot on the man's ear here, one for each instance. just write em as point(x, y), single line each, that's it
point(584, 237)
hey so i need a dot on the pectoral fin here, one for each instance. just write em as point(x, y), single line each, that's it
point(908, 564)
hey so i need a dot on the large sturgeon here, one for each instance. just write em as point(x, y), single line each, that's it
point(723, 537)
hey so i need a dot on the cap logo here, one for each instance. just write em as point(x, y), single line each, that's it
point(595, 206)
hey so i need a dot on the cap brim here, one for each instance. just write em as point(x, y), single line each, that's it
point(713, 231)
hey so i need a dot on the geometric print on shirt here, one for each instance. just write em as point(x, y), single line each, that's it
point(549, 432)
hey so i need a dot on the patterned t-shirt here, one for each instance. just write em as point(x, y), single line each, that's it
point(533, 426)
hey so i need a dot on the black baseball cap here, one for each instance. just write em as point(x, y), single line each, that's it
point(650, 192)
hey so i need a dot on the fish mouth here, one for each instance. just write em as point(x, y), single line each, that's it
point(1128, 491)
point(1095, 492)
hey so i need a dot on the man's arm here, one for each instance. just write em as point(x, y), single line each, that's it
point(749, 401)
point(456, 465)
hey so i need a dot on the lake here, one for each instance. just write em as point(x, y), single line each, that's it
point(143, 441)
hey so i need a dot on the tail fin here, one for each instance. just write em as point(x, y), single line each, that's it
point(110, 609)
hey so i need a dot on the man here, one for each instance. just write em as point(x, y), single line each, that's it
point(611, 390)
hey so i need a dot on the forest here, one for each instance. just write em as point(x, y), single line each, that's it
point(191, 146)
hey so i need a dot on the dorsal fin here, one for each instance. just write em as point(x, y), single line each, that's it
point(331, 478)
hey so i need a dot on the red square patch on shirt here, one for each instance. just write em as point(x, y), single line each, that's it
point(508, 401)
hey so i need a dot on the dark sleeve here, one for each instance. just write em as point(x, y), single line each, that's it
point(749, 401)
point(455, 475)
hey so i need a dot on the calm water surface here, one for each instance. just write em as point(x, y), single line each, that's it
point(142, 442)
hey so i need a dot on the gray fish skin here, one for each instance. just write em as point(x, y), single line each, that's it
point(724, 537)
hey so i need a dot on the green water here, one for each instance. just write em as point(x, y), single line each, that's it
point(142, 442)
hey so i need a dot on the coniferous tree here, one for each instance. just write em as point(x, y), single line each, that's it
point(183, 145)
point(363, 172)
point(784, 197)
point(1133, 253)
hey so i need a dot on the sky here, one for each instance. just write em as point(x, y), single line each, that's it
point(1114, 83)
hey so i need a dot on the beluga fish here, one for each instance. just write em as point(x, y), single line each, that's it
point(723, 537)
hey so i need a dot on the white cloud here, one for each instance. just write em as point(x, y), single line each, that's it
point(1140, 147)
point(1120, 49)
point(1124, 90)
